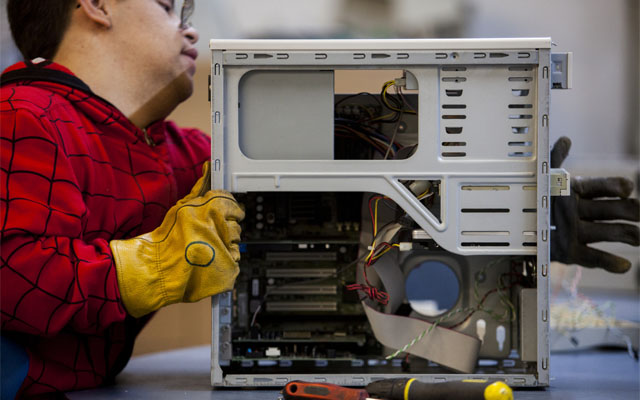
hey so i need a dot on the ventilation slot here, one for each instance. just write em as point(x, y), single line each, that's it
point(494, 187)
point(520, 116)
point(529, 210)
point(454, 154)
point(508, 363)
point(485, 233)
point(450, 109)
point(524, 55)
point(402, 56)
point(520, 92)
point(485, 210)
point(525, 144)
point(380, 55)
point(321, 56)
point(530, 237)
point(479, 55)
point(454, 79)
point(454, 68)
point(521, 154)
point(262, 55)
point(454, 144)
point(282, 56)
point(498, 55)
point(520, 79)
point(520, 68)
point(520, 130)
point(485, 244)
point(454, 106)
point(520, 106)
point(529, 187)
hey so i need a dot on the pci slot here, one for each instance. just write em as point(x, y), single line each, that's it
point(293, 306)
point(301, 256)
point(303, 289)
point(300, 272)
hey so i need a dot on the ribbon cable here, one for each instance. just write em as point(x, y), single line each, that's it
point(446, 347)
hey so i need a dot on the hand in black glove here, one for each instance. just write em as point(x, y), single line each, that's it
point(579, 218)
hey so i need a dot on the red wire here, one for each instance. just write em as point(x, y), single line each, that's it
point(371, 292)
point(372, 260)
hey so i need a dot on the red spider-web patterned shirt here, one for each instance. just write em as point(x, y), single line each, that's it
point(75, 174)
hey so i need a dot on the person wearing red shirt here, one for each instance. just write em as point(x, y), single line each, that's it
point(94, 234)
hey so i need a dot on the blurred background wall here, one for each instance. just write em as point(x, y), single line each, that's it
point(601, 114)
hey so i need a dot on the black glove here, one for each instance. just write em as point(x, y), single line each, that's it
point(592, 199)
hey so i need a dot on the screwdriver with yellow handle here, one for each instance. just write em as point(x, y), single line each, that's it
point(401, 389)
point(412, 389)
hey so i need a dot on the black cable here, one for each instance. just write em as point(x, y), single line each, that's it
point(357, 95)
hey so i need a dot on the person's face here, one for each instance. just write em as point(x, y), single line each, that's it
point(153, 42)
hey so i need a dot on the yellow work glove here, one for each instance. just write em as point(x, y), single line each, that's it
point(192, 255)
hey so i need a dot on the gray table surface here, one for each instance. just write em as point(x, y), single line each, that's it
point(184, 374)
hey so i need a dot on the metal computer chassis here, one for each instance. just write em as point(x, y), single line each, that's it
point(483, 136)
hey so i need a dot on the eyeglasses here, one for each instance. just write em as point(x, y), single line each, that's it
point(186, 8)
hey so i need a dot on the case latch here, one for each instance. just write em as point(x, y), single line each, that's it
point(560, 184)
point(561, 70)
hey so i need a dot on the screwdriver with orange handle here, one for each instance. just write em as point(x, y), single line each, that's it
point(401, 389)
point(298, 390)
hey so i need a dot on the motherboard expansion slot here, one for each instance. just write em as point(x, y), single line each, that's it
point(292, 306)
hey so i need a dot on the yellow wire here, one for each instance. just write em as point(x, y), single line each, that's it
point(386, 251)
point(375, 230)
point(386, 87)
point(375, 233)
point(425, 194)
point(375, 218)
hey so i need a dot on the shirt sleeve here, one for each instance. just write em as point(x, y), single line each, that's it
point(50, 277)
point(189, 150)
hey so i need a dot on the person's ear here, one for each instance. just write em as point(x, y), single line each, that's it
point(97, 11)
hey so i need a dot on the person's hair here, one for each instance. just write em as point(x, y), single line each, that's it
point(38, 26)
